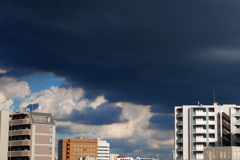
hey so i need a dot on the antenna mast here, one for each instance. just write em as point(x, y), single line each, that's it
point(214, 96)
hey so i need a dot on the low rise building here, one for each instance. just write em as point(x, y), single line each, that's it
point(73, 149)
point(221, 153)
point(113, 156)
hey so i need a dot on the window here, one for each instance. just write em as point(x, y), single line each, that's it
point(78, 149)
point(74, 153)
point(93, 149)
point(81, 149)
point(91, 145)
point(84, 153)
point(81, 145)
point(78, 145)
point(87, 145)
point(90, 149)
point(87, 153)
point(50, 150)
point(84, 149)
point(74, 145)
point(50, 139)
point(74, 149)
point(93, 153)
point(50, 129)
point(81, 153)
point(94, 145)
point(84, 145)
point(90, 153)
point(87, 149)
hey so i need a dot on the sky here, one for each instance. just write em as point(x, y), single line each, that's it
point(116, 69)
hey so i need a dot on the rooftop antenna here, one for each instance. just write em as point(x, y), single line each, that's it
point(214, 96)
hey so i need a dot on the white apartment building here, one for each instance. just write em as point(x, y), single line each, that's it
point(200, 126)
point(103, 149)
point(113, 156)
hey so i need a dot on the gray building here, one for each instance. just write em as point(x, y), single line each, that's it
point(31, 136)
point(200, 126)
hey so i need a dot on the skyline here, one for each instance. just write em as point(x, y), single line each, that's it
point(116, 69)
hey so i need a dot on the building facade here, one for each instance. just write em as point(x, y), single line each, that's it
point(200, 126)
point(31, 136)
point(103, 150)
point(73, 149)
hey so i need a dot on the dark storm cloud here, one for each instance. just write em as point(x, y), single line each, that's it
point(162, 122)
point(104, 114)
point(146, 52)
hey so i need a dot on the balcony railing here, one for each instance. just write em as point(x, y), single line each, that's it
point(237, 130)
point(211, 130)
point(200, 139)
point(179, 140)
point(211, 113)
point(199, 113)
point(237, 113)
point(180, 131)
point(211, 122)
point(19, 143)
point(198, 157)
point(237, 139)
point(180, 114)
point(19, 132)
point(237, 122)
point(19, 122)
point(212, 139)
point(199, 122)
point(18, 153)
point(198, 148)
point(180, 148)
point(179, 157)
point(179, 123)
point(199, 130)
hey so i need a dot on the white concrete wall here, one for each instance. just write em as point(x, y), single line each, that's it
point(4, 127)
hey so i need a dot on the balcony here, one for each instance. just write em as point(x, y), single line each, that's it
point(179, 123)
point(237, 140)
point(211, 130)
point(19, 132)
point(179, 115)
point(212, 139)
point(211, 113)
point(199, 113)
point(18, 153)
point(199, 122)
point(198, 148)
point(211, 122)
point(237, 113)
point(237, 122)
point(179, 157)
point(200, 139)
point(179, 148)
point(19, 143)
point(179, 140)
point(19, 122)
point(180, 131)
point(199, 130)
point(198, 157)
point(237, 130)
